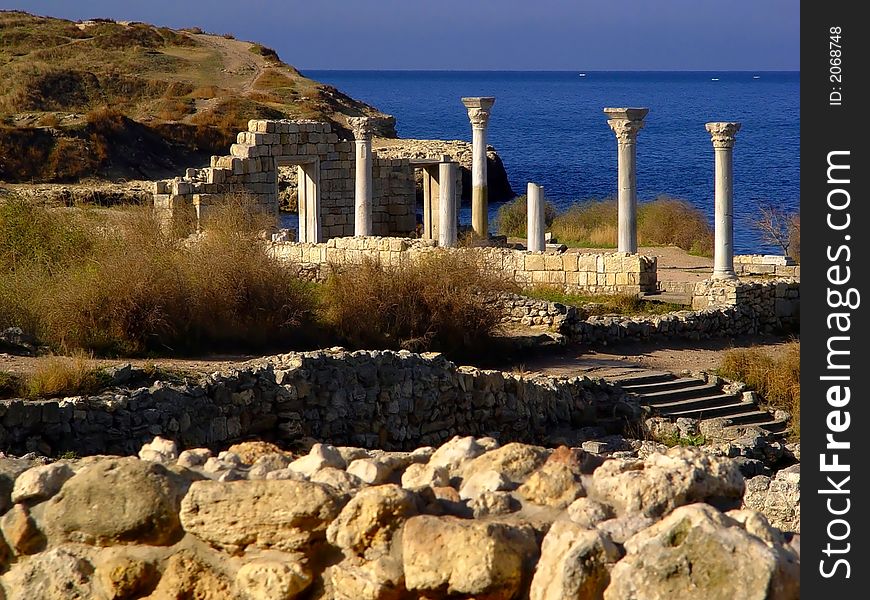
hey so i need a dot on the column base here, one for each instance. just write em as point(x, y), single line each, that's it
point(724, 276)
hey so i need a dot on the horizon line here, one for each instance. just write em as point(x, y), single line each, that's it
point(555, 70)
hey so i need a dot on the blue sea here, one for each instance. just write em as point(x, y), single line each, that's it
point(548, 128)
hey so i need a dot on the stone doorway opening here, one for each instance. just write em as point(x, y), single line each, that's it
point(307, 191)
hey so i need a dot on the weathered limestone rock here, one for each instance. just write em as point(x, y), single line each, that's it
point(61, 573)
point(20, 531)
point(357, 579)
point(123, 576)
point(483, 481)
point(159, 450)
point(554, 484)
point(697, 552)
point(188, 576)
point(366, 525)
point(250, 452)
point(371, 471)
point(40, 483)
point(10, 469)
point(574, 564)
point(195, 457)
point(488, 504)
point(342, 481)
point(268, 514)
point(445, 555)
point(777, 497)
point(456, 451)
point(267, 463)
point(320, 456)
point(419, 475)
point(588, 513)
point(273, 576)
point(285, 474)
point(621, 529)
point(116, 501)
point(661, 482)
point(515, 461)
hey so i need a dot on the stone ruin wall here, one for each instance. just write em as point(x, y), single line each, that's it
point(373, 399)
point(722, 310)
point(252, 168)
point(747, 265)
point(605, 273)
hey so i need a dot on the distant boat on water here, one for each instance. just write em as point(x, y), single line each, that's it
point(756, 76)
point(714, 79)
point(582, 74)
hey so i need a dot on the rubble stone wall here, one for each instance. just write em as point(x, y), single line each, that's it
point(383, 399)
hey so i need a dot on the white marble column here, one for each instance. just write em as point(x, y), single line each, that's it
point(723, 136)
point(362, 133)
point(447, 226)
point(535, 221)
point(478, 113)
point(626, 123)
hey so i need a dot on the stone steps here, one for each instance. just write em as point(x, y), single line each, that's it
point(671, 396)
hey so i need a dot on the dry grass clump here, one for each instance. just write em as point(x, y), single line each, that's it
point(603, 304)
point(63, 376)
point(439, 302)
point(129, 289)
point(591, 223)
point(512, 219)
point(776, 378)
point(661, 222)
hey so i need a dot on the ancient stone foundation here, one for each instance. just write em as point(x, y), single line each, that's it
point(612, 272)
point(372, 399)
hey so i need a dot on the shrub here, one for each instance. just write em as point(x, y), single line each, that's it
point(138, 291)
point(513, 217)
point(63, 376)
point(661, 222)
point(266, 52)
point(589, 223)
point(776, 378)
point(440, 302)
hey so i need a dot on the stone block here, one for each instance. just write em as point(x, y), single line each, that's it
point(553, 262)
point(535, 262)
point(587, 262)
point(569, 262)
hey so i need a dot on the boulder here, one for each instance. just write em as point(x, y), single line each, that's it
point(483, 481)
point(418, 475)
point(159, 450)
point(194, 457)
point(446, 555)
point(698, 552)
point(341, 480)
point(661, 482)
point(40, 483)
point(370, 470)
point(588, 513)
point(777, 497)
point(621, 529)
point(319, 457)
point(555, 484)
point(10, 469)
point(574, 563)
point(20, 531)
point(267, 514)
point(266, 463)
point(117, 501)
point(366, 525)
point(488, 504)
point(123, 576)
point(188, 576)
point(358, 579)
point(273, 576)
point(515, 461)
point(250, 452)
point(455, 452)
point(61, 573)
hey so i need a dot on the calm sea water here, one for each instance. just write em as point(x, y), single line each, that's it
point(548, 128)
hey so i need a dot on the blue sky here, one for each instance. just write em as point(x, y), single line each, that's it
point(484, 34)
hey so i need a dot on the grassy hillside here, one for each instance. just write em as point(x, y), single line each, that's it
point(131, 100)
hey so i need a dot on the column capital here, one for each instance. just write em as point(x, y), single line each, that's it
point(362, 127)
point(479, 108)
point(626, 122)
point(723, 134)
